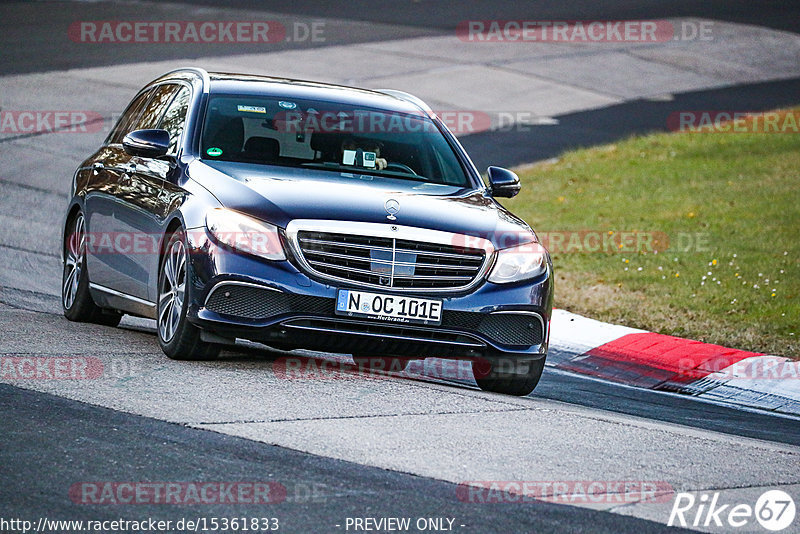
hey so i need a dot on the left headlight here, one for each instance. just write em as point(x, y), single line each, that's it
point(519, 263)
point(245, 233)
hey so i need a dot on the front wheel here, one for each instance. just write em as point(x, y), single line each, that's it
point(510, 377)
point(178, 338)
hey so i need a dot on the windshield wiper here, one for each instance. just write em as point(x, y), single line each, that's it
point(362, 170)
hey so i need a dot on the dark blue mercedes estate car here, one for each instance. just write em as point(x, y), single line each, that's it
point(305, 215)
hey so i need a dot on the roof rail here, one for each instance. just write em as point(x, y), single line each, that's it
point(199, 72)
point(408, 97)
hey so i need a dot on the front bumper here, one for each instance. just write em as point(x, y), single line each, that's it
point(234, 295)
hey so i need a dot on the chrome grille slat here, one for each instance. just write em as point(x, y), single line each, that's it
point(390, 257)
point(371, 273)
point(451, 255)
point(343, 268)
point(340, 244)
point(427, 277)
point(439, 254)
point(366, 259)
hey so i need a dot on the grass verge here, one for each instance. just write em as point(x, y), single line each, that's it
point(698, 234)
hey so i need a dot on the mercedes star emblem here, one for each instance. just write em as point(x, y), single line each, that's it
point(392, 207)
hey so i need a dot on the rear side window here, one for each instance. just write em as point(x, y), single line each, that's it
point(175, 117)
point(162, 96)
point(128, 119)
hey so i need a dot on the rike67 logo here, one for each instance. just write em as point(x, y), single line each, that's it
point(774, 510)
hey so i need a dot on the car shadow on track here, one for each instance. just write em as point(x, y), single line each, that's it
point(558, 386)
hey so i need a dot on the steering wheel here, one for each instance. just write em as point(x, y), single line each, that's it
point(404, 168)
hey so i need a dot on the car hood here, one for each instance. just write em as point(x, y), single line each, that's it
point(282, 194)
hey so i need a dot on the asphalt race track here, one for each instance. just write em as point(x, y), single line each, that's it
point(349, 445)
point(321, 494)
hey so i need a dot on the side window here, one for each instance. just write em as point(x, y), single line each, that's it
point(155, 108)
point(175, 117)
point(128, 119)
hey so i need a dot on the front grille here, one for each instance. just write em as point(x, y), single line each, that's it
point(390, 262)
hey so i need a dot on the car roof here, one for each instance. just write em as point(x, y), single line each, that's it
point(249, 84)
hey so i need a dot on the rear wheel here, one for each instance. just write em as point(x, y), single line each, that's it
point(178, 338)
point(514, 378)
point(76, 302)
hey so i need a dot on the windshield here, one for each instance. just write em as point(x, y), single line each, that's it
point(330, 136)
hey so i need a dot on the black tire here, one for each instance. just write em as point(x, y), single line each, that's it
point(380, 363)
point(107, 318)
point(76, 301)
point(178, 338)
point(519, 385)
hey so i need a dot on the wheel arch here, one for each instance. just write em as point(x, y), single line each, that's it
point(175, 224)
point(72, 210)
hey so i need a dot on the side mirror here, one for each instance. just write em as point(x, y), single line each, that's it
point(146, 143)
point(503, 183)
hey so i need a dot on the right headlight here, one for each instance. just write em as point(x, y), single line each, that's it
point(245, 233)
point(519, 263)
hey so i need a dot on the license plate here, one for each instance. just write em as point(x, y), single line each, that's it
point(390, 308)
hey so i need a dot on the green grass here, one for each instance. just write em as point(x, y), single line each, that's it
point(739, 192)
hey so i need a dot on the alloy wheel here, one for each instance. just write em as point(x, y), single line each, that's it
point(73, 262)
point(172, 291)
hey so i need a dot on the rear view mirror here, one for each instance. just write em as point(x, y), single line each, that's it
point(146, 143)
point(503, 183)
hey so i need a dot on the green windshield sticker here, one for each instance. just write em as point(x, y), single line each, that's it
point(214, 151)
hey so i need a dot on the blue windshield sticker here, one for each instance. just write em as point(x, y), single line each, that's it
point(287, 105)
